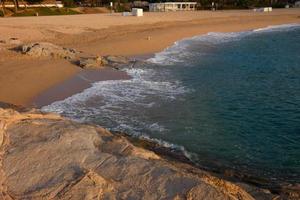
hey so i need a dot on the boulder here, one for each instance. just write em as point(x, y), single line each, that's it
point(44, 156)
point(94, 62)
point(45, 49)
point(117, 61)
point(14, 41)
point(10, 42)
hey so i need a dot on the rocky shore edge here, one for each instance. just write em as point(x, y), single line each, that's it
point(45, 156)
point(79, 58)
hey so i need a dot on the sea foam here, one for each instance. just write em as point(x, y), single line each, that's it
point(112, 99)
point(181, 50)
point(122, 105)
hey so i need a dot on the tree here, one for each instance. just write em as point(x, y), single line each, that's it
point(3, 7)
point(16, 3)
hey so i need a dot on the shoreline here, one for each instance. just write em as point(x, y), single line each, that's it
point(111, 163)
point(115, 35)
point(76, 80)
point(177, 156)
point(235, 176)
point(77, 84)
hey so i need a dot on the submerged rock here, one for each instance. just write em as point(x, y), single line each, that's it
point(45, 49)
point(44, 156)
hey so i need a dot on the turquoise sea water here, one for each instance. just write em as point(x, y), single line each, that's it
point(227, 100)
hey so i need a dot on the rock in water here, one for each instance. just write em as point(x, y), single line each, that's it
point(45, 49)
point(44, 156)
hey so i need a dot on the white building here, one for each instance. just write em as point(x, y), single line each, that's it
point(172, 6)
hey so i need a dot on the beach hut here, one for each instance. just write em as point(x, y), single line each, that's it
point(137, 12)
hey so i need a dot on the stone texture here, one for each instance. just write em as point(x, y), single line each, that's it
point(117, 61)
point(45, 49)
point(10, 42)
point(93, 62)
point(44, 156)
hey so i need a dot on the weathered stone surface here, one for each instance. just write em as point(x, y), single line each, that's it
point(94, 62)
point(10, 42)
point(117, 61)
point(45, 49)
point(44, 156)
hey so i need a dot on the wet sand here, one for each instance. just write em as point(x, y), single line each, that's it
point(76, 84)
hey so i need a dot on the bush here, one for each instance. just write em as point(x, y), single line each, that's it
point(45, 12)
point(69, 3)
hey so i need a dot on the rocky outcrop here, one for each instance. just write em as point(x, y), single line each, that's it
point(93, 62)
point(45, 49)
point(117, 59)
point(10, 42)
point(44, 156)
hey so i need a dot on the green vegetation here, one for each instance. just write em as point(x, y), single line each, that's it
point(125, 5)
point(45, 12)
point(69, 3)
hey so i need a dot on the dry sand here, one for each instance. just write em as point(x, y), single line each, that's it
point(22, 78)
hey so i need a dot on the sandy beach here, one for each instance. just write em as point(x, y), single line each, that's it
point(23, 78)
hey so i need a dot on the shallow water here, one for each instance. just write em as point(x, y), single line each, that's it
point(227, 100)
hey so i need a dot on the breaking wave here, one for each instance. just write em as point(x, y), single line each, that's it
point(113, 101)
point(145, 106)
point(182, 50)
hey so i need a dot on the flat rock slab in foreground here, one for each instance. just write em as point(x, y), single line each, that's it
point(44, 156)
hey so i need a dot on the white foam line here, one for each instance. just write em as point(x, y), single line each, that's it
point(117, 93)
point(178, 51)
point(277, 27)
